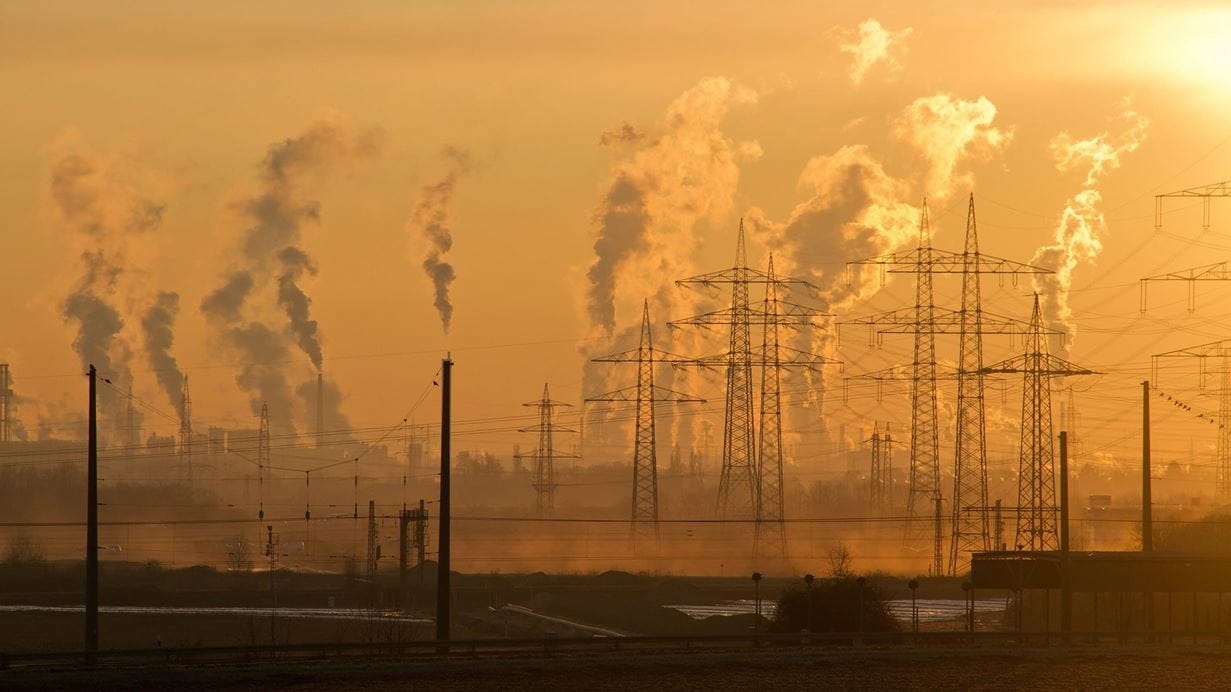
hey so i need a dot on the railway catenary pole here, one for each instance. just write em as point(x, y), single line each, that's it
point(91, 535)
point(442, 564)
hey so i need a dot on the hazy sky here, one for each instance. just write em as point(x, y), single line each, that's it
point(173, 107)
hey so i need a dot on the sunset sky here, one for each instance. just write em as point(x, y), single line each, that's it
point(512, 127)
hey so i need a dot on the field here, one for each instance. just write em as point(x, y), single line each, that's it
point(1030, 668)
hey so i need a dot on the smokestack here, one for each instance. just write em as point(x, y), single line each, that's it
point(320, 410)
point(5, 404)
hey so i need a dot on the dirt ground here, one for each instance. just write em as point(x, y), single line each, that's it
point(983, 669)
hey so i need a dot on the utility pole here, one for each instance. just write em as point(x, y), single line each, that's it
point(1036, 481)
point(320, 410)
point(403, 557)
point(271, 551)
point(545, 454)
point(442, 564)
point(1147, 502)
point(91, 531)
point(644, 515)
point(1066, 564)
point(262, 460)
point(6, 404)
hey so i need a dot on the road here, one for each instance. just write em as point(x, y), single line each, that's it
point(770, 668)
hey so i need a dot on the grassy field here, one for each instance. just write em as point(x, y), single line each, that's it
point(985, 669)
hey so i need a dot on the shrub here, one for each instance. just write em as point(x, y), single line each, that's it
point(835, 608)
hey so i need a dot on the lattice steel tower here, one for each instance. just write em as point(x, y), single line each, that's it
point(970, 530)
point(545, 455)
point(737, 483)
point(644, 515)
point(185, 446)
point(772, 314)
point(1036, 479)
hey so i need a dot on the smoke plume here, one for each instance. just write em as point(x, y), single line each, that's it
point(949, 131)
point(431, 219)
point(158, 327)
point(271, 264)
point(645, 236)
point(1078, 235)
point(871, 44)
point(106, 216)
point(296, 303)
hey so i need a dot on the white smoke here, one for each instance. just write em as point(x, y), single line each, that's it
point(871, 44)
point(1078, 235)
point(683, 172)
point(431, 220)
point(949, 131)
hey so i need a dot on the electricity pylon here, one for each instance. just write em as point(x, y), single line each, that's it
point(1220, 352)
point(185, 448)
point(737, 483)
point(545, 454)
point(644, 515)
point(1036, 479)
point(764, 476)
point(876, 472)
point(1204, 192)
point(970, 528)
point(1219, 271)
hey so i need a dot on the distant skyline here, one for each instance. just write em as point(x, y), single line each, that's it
point(540, 170)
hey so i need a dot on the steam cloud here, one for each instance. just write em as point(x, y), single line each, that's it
point(106, 216)
point(158, 327)
point(681, 175)
point(1078, 234)
point(645, 221)
point(948, 131)
point(871, 44)
point(271, 258)
point(431, 219)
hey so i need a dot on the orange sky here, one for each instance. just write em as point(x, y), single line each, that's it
point(181, 105)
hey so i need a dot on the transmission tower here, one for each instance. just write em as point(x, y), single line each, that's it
point(644, 515)
point(545, 454)
point(970, 528)
point(185, 447)
point(1220, 352)
point(6, 404)
point(1205, 193)
point(1036, 479)
point(765, 474)
point(1219, 271)
point(876, 477)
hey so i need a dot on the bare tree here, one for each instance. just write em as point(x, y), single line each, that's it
point(239, 554)
point(840, 561)
point(24, 551)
